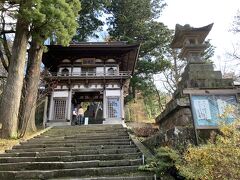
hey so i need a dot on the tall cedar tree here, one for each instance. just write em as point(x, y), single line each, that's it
point(58, 18)
point(39, 20)
point(10, 101)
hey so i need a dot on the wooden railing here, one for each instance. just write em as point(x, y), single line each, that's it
point(121, 74)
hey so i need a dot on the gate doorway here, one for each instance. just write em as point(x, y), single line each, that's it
point(92, 104)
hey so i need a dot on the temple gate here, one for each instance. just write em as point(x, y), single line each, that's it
point(97, 73)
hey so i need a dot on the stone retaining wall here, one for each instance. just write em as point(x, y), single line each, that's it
point(181, 117)
point(178, 138)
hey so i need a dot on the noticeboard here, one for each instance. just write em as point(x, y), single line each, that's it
point(208, 110)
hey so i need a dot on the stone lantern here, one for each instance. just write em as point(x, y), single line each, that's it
point(199, 83)
point(191, 41)
point(198, 73)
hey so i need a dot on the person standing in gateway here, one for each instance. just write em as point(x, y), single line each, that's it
point(74, 117)
point(81, 115)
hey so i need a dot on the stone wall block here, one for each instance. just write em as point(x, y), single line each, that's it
point(183, 121)
point(217, 75)
point(177, 137)
point(182, 117)
point(209, 75)
point(227, 83)
point(187, 111)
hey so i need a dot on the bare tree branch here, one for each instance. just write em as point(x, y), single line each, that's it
point(236, 23)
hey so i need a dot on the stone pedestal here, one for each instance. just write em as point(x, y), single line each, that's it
point(196, 76)
point(201, 75)
point(176, 121)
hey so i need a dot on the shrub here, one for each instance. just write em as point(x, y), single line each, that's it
point(163, 163)
point(218, 159)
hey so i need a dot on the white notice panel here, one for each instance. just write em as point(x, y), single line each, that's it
point(113, 92)
point(60, 94)
point(202, 109)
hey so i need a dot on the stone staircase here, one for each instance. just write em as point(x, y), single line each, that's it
point(93, 152)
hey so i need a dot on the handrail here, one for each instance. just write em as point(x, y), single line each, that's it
point(88, 74)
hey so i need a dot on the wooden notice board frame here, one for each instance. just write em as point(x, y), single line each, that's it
point(208, 92)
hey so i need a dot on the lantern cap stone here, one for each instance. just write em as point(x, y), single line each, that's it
point(186, 31)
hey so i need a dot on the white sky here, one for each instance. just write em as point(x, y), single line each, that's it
point(199, 13)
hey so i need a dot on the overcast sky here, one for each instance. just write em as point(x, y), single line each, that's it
point(199, 13)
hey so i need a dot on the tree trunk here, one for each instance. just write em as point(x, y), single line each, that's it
point(9, 105)
point(159, 99)
point(176, 68)
point(30, 89)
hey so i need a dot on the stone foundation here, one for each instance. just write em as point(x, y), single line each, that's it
point(177, 138)
point(181, 117)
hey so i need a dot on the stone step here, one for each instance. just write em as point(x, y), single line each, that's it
point(75, 152)
point(78, 172)
point(76, 142)
point(61, 144)
point(89, 128)
point(84, 130)
point(102, 126)
point(76, 148)
point(22, 166)
point(101, 157)
point(77, 145)
point(99, 136)
point(93, 126)
point(13, 153)
point(129, 177)
point(45, 141)
point(61, 135)
point(83, 137)
point(103, 133)
point(79, 131)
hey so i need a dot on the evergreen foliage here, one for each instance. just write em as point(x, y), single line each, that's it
point(54, 18)
point(90, 19)
point(134, 21)
point(208, 53)
point(163, 162)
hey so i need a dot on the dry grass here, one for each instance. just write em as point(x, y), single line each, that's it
point(9, 143)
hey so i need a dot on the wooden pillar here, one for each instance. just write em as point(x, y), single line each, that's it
point(51, 108)
point(104, 105)
point(122, 105)
point(69, 105)
point(45, 118)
